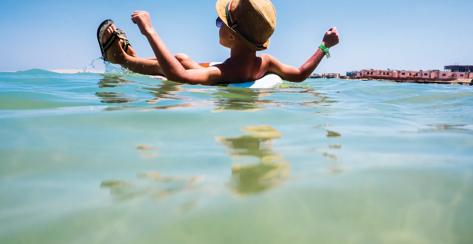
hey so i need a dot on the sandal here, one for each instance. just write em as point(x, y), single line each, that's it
point(118, 33)
point(122, 36)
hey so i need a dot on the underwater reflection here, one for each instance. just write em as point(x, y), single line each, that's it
point(111, 81)
point(150, 184)
point(332, 152)
point(153, 185)
point(164, 95)
point(304, 96)
point(167, 90)
point(333, 134)
point(113, 97)
point(241, 99)
point(265, 169)
point(451, 128)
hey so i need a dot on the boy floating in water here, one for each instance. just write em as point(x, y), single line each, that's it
point(245, 28)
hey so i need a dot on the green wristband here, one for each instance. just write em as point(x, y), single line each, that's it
point(325, 50)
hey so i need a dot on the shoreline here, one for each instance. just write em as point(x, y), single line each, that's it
point(420, 81)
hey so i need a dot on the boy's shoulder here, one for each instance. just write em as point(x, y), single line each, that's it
point(265, 57)
point(268, 59)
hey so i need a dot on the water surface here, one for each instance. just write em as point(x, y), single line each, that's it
point(124, 158)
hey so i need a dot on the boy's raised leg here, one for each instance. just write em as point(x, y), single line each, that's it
point(130, 60)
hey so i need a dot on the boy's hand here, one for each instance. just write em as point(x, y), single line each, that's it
point(331, 38)
point(143, 20)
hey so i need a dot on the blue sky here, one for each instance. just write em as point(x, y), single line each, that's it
point(401, 34)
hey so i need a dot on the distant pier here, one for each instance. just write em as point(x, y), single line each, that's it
point(453, 74)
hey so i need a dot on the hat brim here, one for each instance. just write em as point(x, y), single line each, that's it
point(221, 6)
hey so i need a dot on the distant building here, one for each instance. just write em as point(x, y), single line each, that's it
point(460, 74)
point(331, 76)
point(315, 76)
point(352, 74)
point(326, 76)
point(459, 68)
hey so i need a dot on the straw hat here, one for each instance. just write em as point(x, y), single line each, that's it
point(253, 21)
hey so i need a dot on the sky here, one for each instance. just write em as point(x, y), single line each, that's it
point(400, 34)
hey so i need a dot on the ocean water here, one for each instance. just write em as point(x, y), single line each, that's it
point(124, 158)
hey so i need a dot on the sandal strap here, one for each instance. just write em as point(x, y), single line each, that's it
point(108, 44)
point(100, 31)
point(122, 35)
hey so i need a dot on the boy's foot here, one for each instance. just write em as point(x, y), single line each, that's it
point(114, 44)
point(124, 40)
point(113, 54)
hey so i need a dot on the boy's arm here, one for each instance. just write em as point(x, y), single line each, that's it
point(300, 74)
point(171, 67)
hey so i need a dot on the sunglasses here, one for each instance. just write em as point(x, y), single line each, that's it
point(218, 22)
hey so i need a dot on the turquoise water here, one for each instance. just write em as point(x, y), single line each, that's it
point(121, 158)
